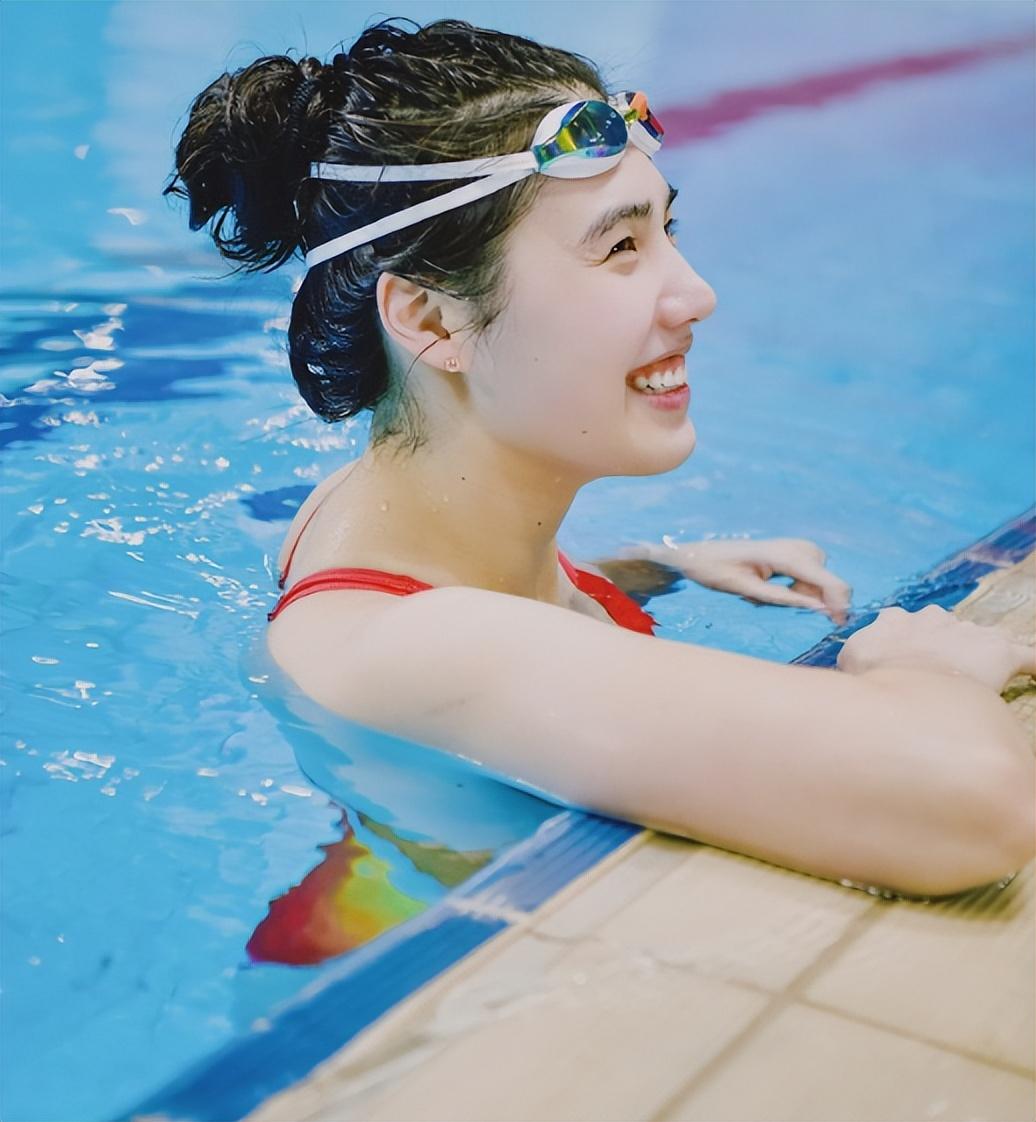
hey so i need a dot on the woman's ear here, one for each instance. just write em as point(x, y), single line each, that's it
point(417, 318)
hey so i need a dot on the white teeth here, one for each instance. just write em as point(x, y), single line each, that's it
point(659, 381)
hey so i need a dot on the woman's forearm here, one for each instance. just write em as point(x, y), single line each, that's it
point(905, 779)
point(935, 797)
point(988, 811)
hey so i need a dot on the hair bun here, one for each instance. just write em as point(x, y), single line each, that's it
point(246, 150)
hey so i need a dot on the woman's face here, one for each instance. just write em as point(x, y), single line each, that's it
point(596, 294)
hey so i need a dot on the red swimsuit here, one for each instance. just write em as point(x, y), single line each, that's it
point(624, 611)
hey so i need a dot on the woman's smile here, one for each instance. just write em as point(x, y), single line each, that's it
point(662, 383)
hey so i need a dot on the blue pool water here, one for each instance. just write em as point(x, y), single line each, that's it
point(866, 382)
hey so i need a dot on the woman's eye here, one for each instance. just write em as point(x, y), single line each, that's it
point(629, 243)
point(626, 244)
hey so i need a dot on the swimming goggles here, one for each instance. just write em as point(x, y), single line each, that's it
point(573, 141)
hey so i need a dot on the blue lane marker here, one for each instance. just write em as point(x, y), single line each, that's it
point(367, 982)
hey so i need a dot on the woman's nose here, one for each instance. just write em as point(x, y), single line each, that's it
point(688, 298)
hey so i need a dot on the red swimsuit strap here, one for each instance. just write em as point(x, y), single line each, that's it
point(338, 580)
point(624, 611)
point(282, 580)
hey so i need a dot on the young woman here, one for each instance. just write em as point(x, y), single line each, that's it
point(492, 271)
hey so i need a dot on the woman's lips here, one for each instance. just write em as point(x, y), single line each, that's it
point(677, 398)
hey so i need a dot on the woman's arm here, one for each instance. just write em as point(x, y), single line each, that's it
point(912, 779)
point(741, 566)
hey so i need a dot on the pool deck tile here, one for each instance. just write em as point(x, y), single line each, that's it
point(678, 982)
point(806, 1065)
point(604, 1034)
point(734, 918)
point(418, 1029)
point(958, 973)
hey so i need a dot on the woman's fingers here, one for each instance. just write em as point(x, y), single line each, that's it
point(754, 588)
point(788, 597)
point(809, 574)
point(833, 600)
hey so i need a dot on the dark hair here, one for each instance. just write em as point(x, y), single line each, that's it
point(446, 91)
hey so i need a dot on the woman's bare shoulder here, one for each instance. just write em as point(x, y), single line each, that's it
point(390, 660)
point(308, 508)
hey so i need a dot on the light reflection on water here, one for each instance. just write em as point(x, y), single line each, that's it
point(871, 392)
point(137, 569)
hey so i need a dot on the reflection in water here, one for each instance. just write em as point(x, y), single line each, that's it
point(348, 898)
point(415, 822)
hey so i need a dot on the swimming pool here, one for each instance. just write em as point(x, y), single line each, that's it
point(866, 382)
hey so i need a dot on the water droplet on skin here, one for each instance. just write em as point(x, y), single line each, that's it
point(384, 507)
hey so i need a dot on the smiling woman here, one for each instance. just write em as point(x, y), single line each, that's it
point(517, 337)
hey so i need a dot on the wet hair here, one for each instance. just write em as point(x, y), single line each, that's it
point(400, 95)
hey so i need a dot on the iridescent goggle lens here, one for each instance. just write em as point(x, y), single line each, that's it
point(596, 129)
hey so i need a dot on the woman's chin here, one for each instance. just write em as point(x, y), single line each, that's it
point(665, 452)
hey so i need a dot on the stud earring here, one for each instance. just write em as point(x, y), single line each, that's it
point(452, 365)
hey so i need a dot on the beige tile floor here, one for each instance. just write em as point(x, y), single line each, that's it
point(677, 982)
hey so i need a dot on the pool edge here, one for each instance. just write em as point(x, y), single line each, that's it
point(320, 1022)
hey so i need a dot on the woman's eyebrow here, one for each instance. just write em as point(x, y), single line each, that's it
point(625, 212)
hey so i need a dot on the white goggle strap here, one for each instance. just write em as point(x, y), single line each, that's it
point(643, 140)
point(413, 214)
point(498, 172)
point(408, 173)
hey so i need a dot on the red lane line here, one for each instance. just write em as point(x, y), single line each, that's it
point(693, 122)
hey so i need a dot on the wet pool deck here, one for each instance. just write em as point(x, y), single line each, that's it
point(674, 981)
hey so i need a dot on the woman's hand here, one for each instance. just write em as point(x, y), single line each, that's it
point(745, 568)
point(936, 640)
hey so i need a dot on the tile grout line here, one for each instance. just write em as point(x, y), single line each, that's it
point(943, 1046)
point(778, 1003)
point(794, 993)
